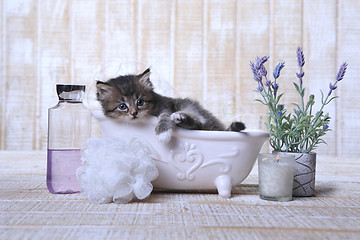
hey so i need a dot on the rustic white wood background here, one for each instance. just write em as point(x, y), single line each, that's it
point(201, 47)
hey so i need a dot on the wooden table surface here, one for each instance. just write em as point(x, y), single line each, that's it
point(29, 211)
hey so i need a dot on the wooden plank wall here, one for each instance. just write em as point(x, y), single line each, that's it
point(202, 48)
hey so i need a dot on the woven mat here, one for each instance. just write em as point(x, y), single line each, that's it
point(29, 211)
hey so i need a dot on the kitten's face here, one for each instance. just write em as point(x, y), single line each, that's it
point(126, 98)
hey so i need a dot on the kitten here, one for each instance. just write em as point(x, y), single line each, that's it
point(131, 98)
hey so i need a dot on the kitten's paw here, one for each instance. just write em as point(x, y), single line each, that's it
point(177, 117)
point(165, 137)
point(236, 127)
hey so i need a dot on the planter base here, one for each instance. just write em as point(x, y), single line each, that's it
point(304, 174)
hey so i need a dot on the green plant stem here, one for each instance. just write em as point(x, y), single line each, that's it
point(305, 138)
point(304, 112)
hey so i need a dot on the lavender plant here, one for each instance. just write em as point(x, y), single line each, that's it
point(302, 129)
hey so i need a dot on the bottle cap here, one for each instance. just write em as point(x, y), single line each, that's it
point(70, 92)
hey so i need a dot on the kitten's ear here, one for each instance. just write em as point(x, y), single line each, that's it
point(145, 79)
point(103, 90)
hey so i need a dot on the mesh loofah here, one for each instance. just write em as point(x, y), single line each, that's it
point(115, 170)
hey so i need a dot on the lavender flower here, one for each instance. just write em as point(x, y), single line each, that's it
point(267, 82)
point(275, 86)
point(255, 72)
point(325, 127)
point(341, 72)
point(253, 68)
point(261, 61)
point(301, 62)
point(262, 70)
point(339, 77)
point(260, 88)
point(276, 73)
point(280, 113)
point(258, 69)
point(300, 57)
point(332, 86)
point(300, 75)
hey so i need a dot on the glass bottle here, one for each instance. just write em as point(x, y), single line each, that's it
point(69, 126)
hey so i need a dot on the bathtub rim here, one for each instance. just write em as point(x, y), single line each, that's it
point(207, 135)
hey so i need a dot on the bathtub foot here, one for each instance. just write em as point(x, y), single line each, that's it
point(223, 185)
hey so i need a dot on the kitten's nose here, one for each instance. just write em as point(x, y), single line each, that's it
point(134, 113)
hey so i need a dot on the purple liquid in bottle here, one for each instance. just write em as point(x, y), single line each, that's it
point(69, 126)
point(61, 170)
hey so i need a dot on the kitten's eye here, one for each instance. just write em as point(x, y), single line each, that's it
point(122, 107)
point(140, 102)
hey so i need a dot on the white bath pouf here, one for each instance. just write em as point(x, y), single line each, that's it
point(116, 170)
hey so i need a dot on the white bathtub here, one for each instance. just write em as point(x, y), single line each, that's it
point(193, 159)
